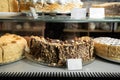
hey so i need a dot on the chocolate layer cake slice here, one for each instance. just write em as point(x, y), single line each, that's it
point(57, 52)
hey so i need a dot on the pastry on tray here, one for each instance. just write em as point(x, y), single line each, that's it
point(12, 48)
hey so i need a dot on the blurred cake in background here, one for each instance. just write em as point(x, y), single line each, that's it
point(58, 6)
point(9, 6)
point(25, 5)
point(112, 9)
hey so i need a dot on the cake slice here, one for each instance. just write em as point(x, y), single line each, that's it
point(57, 52)
point(13, 47)
point(108, 47)
point(0, 55)
point(12, 53)
point(114, 52)
point(13, 6)
point(118, 52)
point(101, 49)
point(4, 7)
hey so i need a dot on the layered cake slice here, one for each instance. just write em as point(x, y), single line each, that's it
point(57, 52)
point(4, 6)
point(12, 48)
point(107, 47)
point(1, 55)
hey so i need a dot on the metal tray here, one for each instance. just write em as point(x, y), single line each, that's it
point(31, 58)
point(9, 14)
point(109, 58)
point(113, 17)
point(53, 12)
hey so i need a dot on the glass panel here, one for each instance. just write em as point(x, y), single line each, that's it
point(58, 19)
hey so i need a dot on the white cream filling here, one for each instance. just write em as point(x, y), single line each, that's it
point(108, 41)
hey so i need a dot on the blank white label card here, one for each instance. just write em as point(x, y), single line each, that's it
point(74, 64)
point(97, 13)
point(78, 13)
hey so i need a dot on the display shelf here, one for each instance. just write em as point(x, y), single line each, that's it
point(83, 30)
point(117, 31)
point(75, 30)
point(59, 19)
point(24, 65)
point(99, 65)
point(5, 30)
point(22, 30)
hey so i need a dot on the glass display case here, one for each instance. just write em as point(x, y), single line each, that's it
point(62, 27)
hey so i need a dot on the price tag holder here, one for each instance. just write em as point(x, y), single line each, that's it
point(97, 13)
point(74, 64)
point(35, 16)
point(78, 13)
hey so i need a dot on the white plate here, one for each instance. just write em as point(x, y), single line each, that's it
point(109, 59)
point(2, 14)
